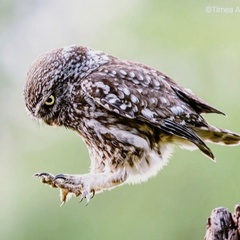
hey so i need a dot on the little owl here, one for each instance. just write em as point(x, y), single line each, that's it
point(129, 115)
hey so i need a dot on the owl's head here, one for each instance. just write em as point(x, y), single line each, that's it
point(51, 78)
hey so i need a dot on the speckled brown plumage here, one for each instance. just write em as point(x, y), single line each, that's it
point(128, 114)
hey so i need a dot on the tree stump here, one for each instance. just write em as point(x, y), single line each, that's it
point(223, 225)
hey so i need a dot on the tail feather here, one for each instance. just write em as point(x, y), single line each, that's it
point(219, 136)
point(184, 133)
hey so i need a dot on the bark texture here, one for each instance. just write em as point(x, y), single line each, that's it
point(223, 225)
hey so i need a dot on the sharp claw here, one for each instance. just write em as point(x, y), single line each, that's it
point(93, 191)
point(61, 176)
point(87, 196)
point(46, 178)
point(41, 174)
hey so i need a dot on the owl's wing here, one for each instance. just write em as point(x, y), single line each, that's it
point(147, 96)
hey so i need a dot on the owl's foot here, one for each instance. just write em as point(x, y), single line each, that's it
point(68, 185)
point(79, 185)
point(84, 186)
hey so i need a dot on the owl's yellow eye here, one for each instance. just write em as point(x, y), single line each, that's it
point(50, 101)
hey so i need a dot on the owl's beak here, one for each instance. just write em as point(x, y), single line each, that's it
point(49, 122)
point(39, 113)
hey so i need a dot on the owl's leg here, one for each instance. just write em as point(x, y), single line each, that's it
point(85, 185)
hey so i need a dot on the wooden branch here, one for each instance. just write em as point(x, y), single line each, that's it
point(223, 225)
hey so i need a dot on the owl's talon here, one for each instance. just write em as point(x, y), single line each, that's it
point(43, 175)
point(46, 178)
point(93, 194)
point(86, 195)
point(40, 174)
point(61, 176)
point(69, 185)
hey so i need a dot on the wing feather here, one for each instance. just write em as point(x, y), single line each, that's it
point(147, 96)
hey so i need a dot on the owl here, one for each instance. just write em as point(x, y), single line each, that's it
point(129, 115)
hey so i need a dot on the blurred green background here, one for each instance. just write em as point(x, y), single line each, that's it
point(193, 42)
